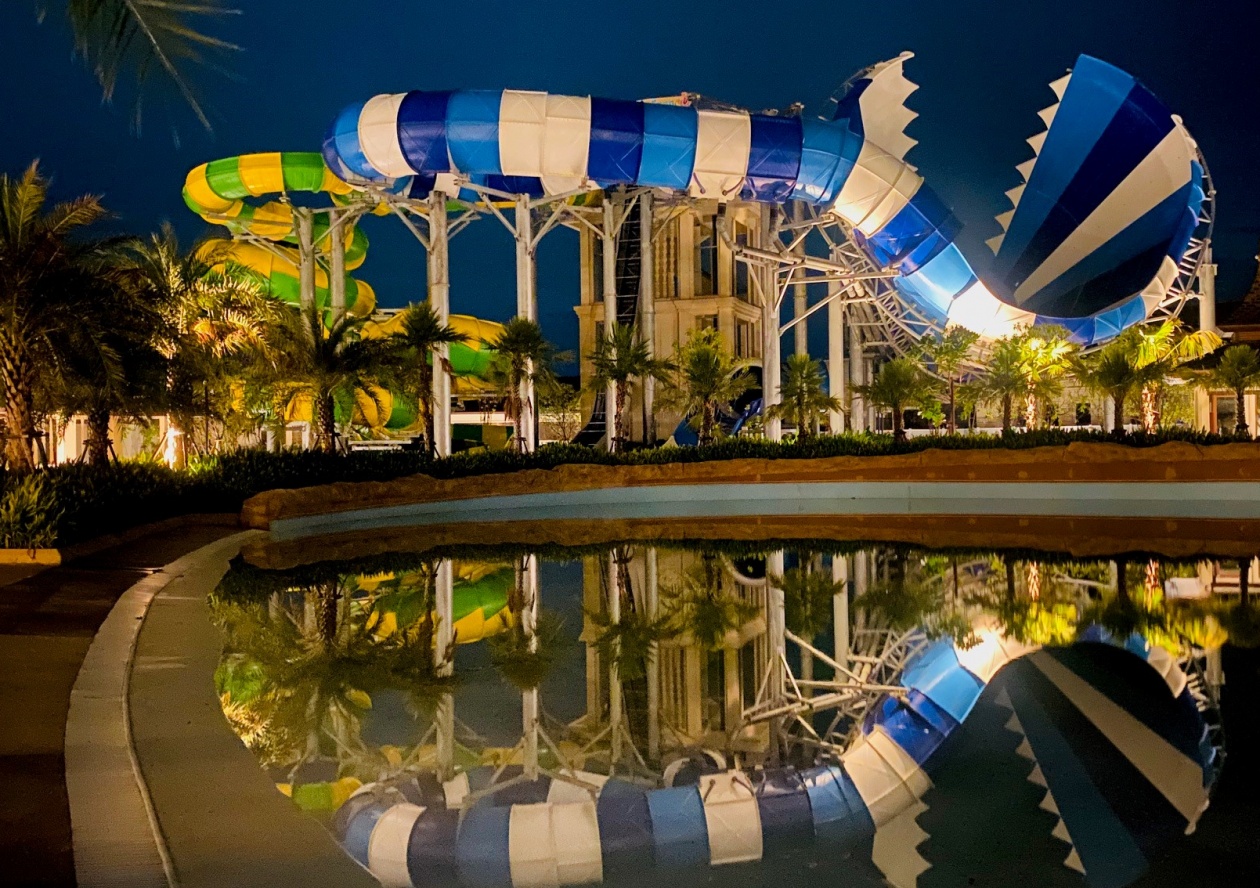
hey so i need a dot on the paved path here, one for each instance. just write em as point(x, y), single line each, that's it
point(47, 622)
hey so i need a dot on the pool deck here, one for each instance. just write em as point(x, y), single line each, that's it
point(118, 766)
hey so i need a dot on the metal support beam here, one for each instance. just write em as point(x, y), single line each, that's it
point(440, 302)
point(836, 367)
point(840, 609)
point(615, 697)
point(647, 311)
point(800, 295)
point(776, 634)
point(770, 350)
point(306, 262)
point(526, 307)
point(608, 254)
point(857, 409)
point(1207, 292)
point(337, 225)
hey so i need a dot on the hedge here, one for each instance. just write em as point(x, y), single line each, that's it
point(84, 501)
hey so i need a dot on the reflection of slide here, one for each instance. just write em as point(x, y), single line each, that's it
point(1101, 224)
point(221, 191)
point(1116, 753)
point(479, 601)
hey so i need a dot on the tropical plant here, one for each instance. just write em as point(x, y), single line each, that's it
point(49, 308)
point(803, 395)
point(620, 358)
point(330, 367)
point(525, 659)
point(705, 380)
point(1029, 365)
point(217, 317)
point(523, 355)
point(423, 332)
point(1140, 359)
point(1237, 370)
point(29, 514)
point(948, 354)
point(561, 404)
point(136, 38)
point(898, 385)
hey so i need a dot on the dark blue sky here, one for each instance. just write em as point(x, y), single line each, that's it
point(982, 65)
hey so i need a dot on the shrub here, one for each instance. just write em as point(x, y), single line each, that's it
point(29, 514)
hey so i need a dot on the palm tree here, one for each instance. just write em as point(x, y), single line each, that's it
point(422, 333)
point(899, 385)
point(808, 598)
point(331, 367)
point(803, 393)
point(949, 352)
point(49, 284)
point(135, 38)
point(706, 379)
point(1004, 378)
point(1237, 370)
point(217, 317)
point(619, 359)
point(698, 604)
point(1167, 347)
point(523, 355)
point(1047, 358)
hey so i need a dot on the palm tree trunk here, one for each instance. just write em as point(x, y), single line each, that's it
point(1240, 396)
point(326, 423)
point(98, 436)
point(1150, 412)
point(1007, 404)
point(953, 409)
point(17, 381)
point(426, 405)
point(1118, 397)
point(899, 434)
point(706, 424)
point(619, 404)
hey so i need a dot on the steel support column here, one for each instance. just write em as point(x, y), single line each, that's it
point(1207, 291)
point(770, 350)
point(647, 311)
point(836, 368)
point(857, 409)
point(652, 596)
point(306, 262)
point(529, 698)
point(526, 307)
point(800, 292)
point(440, 302)
point(608, 255)
point(337, 263)
point(840, 609)
point(615, 697)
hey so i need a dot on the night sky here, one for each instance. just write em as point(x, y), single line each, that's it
point(983, 68)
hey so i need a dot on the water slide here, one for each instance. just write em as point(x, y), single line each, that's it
point(235, 193)
point(1105, 735)
point(1104, 216)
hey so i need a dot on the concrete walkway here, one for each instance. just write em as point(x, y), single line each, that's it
point(47, 622)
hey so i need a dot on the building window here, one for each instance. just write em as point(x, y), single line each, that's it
point(745, 340)
point(741, 268)
point(706, 257)
point(599, 331)
point(706, 322)
point(1224, 414)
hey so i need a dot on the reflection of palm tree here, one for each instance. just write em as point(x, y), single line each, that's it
point(630, 641)
point(808, 598)
point(525, 662)
point(699, 605)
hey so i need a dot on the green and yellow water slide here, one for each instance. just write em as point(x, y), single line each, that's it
point(249, 196)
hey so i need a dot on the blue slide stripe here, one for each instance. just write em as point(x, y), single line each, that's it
point(422, 131)
point(616, 149)
point(669, 146)
point(774, 158)
point(472, 130)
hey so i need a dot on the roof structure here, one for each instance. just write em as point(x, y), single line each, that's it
point(1245, 313)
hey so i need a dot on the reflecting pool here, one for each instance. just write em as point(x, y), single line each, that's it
point(754, 712)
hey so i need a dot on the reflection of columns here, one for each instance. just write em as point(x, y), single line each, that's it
point(529, 699)
point(444, 665)
point(614, 673)
point(868, 376)
point(861, 573)
point(440, 302)
point(608, 253)
point(776, 632)
point(306, 262)
point(652, 594)
point(840, 609)
point(857, 408)
point(338, 224)
point(770, 351)
point(526, 307)
point(647, 311)
point(1109, 414)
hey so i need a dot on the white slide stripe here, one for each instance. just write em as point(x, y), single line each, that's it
point(387, 848)
point(1162, 172)
point(522, 119)
point(732, 818)
point(885, 776)
point(378, 136)
point(566, 143)
point(531, 849)
point(877, 188)
point(723, 142)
